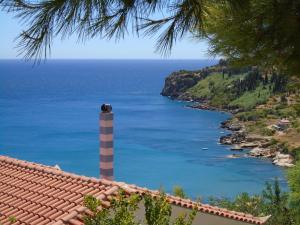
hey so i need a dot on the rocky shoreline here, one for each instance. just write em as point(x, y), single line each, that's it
point(176, 86)
point(206, 106)
point(259, 146)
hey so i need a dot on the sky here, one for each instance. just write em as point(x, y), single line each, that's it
point(129, 48)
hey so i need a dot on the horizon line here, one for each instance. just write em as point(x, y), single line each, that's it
point(109, 59)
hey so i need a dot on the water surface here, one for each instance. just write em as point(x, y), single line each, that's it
point(49, 114)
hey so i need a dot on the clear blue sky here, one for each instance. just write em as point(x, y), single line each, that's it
point(130, 47)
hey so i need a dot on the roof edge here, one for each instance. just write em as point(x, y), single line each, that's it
point(131, 188)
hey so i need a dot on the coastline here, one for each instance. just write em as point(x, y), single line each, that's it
point(260, 123)
point(239, 140)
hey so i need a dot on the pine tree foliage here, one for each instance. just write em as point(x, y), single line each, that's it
point(102, 18)
point(264, 33)
point(271, 202)
point(246, 32)
point(105, 18)
point(276, 204)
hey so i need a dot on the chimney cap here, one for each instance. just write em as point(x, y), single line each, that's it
point(106, 108)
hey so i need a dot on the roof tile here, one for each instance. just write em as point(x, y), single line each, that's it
point(37, 194)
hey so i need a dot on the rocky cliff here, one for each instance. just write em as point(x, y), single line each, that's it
point(178, 82)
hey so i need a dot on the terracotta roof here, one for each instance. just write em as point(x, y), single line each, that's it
point(38, 194)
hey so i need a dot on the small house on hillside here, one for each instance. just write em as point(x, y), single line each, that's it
point(37, 194)
point(283, 124)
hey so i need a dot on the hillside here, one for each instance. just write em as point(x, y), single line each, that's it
point(260, 103)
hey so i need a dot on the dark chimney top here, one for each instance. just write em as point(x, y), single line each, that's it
point(106, 108)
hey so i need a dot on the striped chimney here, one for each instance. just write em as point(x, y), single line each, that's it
point(106, 143)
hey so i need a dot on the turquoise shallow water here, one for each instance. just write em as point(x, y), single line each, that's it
point(49, 114)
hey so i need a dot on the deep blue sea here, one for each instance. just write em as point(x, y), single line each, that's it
point(49, 114)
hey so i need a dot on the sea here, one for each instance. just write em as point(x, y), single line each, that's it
point(49, 114)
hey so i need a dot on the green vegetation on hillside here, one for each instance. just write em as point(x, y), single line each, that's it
point(258, 99)
point(216, 88)
point(250, 99)
point(226, 91)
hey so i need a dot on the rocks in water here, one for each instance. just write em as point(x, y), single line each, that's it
point(236, 148)
point(262, 152)
point(226, 140)
point(233, 126)
point(224, 124)
point(261, 147)
point(178, 82)
point(284, 160)
point(233, 156)
point(279, 159)
point(203, 107)
point(234, 138)
point(204, 104)
point(256, 152)
point(250, 144)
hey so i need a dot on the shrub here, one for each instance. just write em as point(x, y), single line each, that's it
point(297, 109)
point(178, 191)
point(273, 141)
point(284, 147)
point(123, 208)
point(267, 131)
point(248, 116)
point(294, 184)
point(295, 123)
point(272, 201)
point(295, 152)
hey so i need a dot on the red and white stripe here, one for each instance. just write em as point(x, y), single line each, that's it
point(106, 146)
